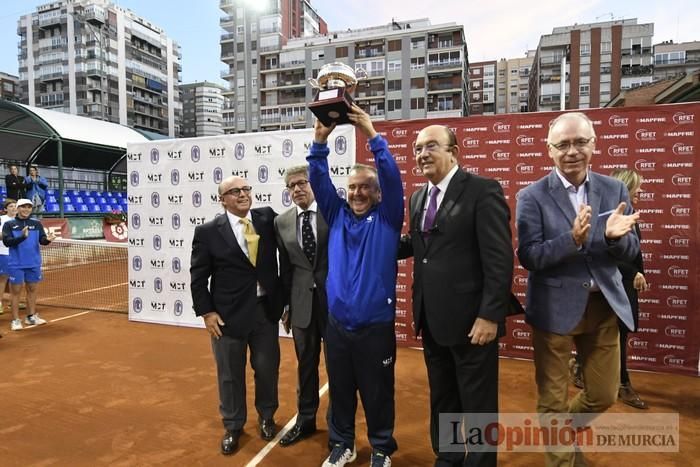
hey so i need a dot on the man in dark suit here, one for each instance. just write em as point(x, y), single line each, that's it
point(573, 227)
point(302, 237)
point(459, 237)
point(14, 184)
point(237, 252)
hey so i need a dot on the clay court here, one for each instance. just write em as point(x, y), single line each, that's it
point(91, 388)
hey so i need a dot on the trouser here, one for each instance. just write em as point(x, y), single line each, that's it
point(362, 360)
point(230, 354)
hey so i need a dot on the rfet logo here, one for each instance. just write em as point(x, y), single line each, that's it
point(416, 171)
point(674, 331)
point(521, 334)
point(645, 196)
point(679, 241)
point(519, 280)
point(617, 151)
point(399, 132)
point(677, 272)
point(645, 135)
point(470, 143)
point(617, 121)
point(680, 211)
point(525, 169)
point(500, 127)
point(682, 149)
point(682, 118)
point(499, 155)
point(644, 165)
point(681, 180)
point(677, 302)
point(155, 156)
point(470, 169)
point(524, 140)
point(637, 343)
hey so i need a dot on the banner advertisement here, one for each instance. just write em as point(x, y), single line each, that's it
point(59, 227)
point(659, 142)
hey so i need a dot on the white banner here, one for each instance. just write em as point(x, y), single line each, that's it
point(173, 188)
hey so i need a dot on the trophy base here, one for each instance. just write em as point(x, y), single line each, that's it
point(332, 106)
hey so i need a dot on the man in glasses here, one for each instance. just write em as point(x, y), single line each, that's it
point(236, 290)
point(573, 225)
point(460, 240)
point(302, 236)
point(363, 242)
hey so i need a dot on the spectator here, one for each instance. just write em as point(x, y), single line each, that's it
point(23, 236)
point(36, 188)
point(15, 184)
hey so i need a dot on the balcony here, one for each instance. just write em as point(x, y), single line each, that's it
point(229, 36)
point(47, 22)
point(445, 65)
point(51, 77)
point(441, 86)
point(225, 20)
point(292, 64)
point(554, 60)
point(444, 44)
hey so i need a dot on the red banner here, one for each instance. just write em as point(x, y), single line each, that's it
point(115, 232)
point(59, 227)
point(660, 142)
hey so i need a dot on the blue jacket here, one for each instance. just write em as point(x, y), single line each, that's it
point(361, 283)
point(24, 251)
point(560, 273)
point(37, 187)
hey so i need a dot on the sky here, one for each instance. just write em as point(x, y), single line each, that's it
point(493, 29)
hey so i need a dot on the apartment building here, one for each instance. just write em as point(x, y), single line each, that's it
point(482, 88)
point(415, 69)
point(676, 60)
point(512, 83)
point(202, 106)
point(592, 62)
point(96, 59)
point(9, 87)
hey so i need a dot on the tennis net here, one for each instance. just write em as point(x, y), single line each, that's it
point(85, 274)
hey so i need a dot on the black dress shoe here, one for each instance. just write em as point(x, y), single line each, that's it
point(267, 429)
point(297, 433)
point(229, 442)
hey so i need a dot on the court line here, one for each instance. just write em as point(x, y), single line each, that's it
point(72, 316)
point(268, 447)
point(83, 291)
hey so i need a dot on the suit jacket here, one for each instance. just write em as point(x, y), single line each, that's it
point(15, 186)
point(298, 275)
point(232, 291)
point(629, 270)
point(464, 269)
point(560, 273)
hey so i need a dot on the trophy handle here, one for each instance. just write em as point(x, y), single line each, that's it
point(314, 83)
point(361, 73)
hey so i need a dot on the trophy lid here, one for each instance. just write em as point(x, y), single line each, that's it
point(336, 71)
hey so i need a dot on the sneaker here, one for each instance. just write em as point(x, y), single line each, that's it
point(16, 325)
point(34, 320)
point(379, 459)
point(339, 456)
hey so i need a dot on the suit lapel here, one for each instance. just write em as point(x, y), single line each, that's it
point(418, 201)
point(594, 197)
point(561, 197)
point(453, 193)
point(224, 227)
point(289, 234)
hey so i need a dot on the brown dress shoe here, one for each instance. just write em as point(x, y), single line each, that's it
point(630, 397)
point(575, 373)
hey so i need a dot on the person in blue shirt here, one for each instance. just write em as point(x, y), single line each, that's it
point(361, 287)
point(22, 235)
point(36, 187)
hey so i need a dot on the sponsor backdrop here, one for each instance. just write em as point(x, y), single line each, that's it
point(661, 142)
point(172, 188)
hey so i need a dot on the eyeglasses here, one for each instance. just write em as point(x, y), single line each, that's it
point(579, 144)
point(301, 184)
point(430, 147)
point(237, 191)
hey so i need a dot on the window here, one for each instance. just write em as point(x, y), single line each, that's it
point(417, 103)
point(393, 85)
point(418, 43)
point(585, 49)
point(341, 52)
point(394, 104)
point(417, 63)
point(393, 65)
point(417, 83)
point(394, 45)
point(584, 90)
point(605, 47)
point(240, 47)
point(475, 71)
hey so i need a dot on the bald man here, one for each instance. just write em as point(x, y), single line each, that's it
point(237, 291)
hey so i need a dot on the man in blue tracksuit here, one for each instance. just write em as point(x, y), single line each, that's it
point(22, 235)
point(361, 285)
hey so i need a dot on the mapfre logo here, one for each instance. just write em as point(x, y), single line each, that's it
point(682, 149)
point(617, 151)
point(645, 135)
point(644, 165)
point(524, 140)
point(682, 180)
point(500, 127)
point(617, 121)
point(682, 118)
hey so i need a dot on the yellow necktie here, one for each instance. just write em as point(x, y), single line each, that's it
point(251, 239)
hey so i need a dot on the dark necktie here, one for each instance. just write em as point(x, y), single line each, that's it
point(308, 241)
point(431, 211)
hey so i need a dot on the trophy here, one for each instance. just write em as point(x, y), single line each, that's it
point(335, 83)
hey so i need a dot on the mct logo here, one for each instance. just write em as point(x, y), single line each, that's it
point(174, 155)
point(342, 193)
